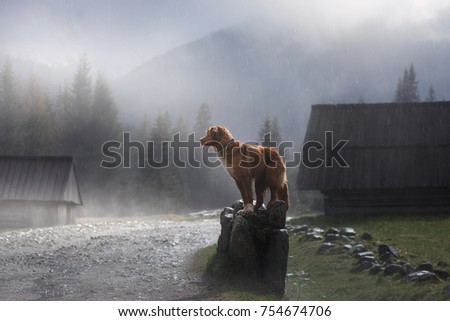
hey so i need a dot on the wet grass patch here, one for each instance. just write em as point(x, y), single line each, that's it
point(417, 238)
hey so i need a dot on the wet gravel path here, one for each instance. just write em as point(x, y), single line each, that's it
point(116, 260)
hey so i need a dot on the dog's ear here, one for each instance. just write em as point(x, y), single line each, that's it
point(213, 131)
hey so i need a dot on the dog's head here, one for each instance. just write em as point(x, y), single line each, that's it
point(215, 136)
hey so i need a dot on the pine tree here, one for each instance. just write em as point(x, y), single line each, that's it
point(200, 180)
point(77, 132)
point(275, 131)
point(161, 129)
point(159, 135)
point(62, 102)
point(76, 135)
point(37, 126)
point(181, 127)
point(10, 140)
point(61, 109)
point(103, 124)
point(407, 87)
point(173, 189)
point(180, 175)
point(81, 89)
point(104, 120)
point(413, 90)
point(431, 95)
point(271, 127)
point(169, 190)
point(143, 131)
point(203, 120)
point(143, 183)
point(400, 93)
point(266, 128)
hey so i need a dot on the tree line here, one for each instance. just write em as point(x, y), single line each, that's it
point(407, 90)
point(82, 117)
point(75, 122)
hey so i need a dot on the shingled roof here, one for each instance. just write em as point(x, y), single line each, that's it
point(389, 146)
point(39, 179)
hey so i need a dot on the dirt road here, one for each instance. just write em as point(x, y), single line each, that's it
point(114, 260)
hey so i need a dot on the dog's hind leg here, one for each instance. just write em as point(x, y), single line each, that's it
point(279, 194)
point(284, 194)
point(273, 196)
point(247, 195)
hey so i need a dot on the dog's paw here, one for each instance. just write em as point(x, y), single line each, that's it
point(247, 210)
point(276, 203)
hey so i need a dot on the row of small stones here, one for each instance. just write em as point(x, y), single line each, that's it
point(387, 256)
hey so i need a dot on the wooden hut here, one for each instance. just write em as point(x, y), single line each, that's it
point(37, 191)
point(398, 158)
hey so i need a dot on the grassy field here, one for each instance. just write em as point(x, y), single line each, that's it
point(313, 276)
point(418, 239)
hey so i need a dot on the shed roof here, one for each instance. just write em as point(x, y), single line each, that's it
point(389, 146)
point(39, 178)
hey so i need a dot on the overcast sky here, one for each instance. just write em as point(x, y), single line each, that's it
point(121, 34)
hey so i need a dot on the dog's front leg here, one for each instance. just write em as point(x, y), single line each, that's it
point(247, 196)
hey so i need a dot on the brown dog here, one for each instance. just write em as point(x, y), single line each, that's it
point(246, 163)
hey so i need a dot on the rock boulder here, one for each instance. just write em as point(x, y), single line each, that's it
point(255, 246)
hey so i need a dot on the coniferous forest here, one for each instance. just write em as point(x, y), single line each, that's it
point(79, 119)
point(83, 115)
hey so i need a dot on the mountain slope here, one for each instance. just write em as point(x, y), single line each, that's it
point(244, 72)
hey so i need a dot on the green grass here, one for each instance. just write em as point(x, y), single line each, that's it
point(418, 239)
point(202, 259)
point(312, 276)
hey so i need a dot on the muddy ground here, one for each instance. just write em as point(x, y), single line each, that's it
point(112, 260)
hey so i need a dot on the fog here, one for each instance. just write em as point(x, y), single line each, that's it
point(245, 60)
point(118, 35)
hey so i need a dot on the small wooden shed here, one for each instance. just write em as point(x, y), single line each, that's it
point(37, 191)
point(398, 158)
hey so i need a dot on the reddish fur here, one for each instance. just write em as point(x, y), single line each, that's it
point(246, 162)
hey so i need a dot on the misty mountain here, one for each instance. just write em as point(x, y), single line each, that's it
point(245, 71)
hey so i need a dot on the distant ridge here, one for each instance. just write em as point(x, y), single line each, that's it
point(242, 73)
